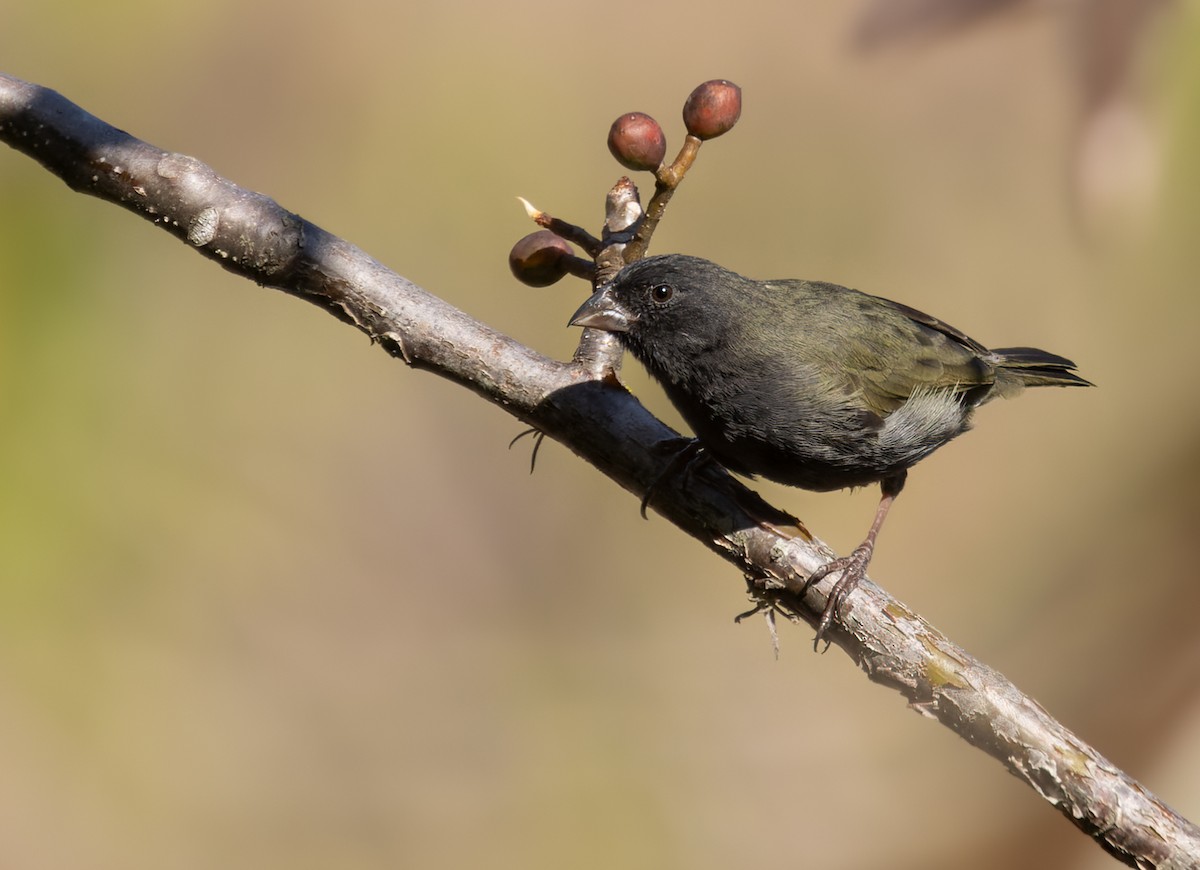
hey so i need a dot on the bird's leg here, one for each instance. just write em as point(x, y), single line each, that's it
point(854, 566)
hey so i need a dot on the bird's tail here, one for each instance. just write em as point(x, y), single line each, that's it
point(1018, 367)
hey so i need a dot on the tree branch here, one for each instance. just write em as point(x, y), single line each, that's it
point(251, 235)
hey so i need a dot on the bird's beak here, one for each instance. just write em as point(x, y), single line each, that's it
point(603, 311)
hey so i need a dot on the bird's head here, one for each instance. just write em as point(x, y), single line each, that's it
point(669, 301)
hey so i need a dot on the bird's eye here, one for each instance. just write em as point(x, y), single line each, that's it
point(660, 294)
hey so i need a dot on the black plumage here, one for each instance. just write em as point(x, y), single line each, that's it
point(808, 383)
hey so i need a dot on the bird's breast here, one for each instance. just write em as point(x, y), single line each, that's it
point(819, 441)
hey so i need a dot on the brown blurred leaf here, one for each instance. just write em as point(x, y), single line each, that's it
point(1114, 168)
point(889, 21)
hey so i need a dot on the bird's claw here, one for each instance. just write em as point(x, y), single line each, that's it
point(852, 568)
point(538, 437)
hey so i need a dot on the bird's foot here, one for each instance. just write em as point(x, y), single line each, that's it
point(538, 437)
point(852, 568)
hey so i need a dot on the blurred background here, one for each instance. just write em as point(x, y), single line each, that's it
point(270, 599)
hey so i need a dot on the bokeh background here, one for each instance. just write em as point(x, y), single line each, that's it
point(270, 599)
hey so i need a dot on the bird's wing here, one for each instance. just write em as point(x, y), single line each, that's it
point(930, 355)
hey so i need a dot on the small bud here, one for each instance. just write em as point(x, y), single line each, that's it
point(637, 141)
point(539, 259)
point(530, 209)
point(712, 109)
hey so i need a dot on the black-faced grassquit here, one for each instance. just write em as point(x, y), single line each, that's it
point(808, 383)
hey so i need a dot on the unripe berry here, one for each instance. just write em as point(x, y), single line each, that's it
point(539, 259)
point(712, 109)
point(637, 141)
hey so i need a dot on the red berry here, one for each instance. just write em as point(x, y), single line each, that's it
point(712, 109)
point(637, 141)
point(539, 259)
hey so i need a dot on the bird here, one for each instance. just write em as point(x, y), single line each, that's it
point(809, 383)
